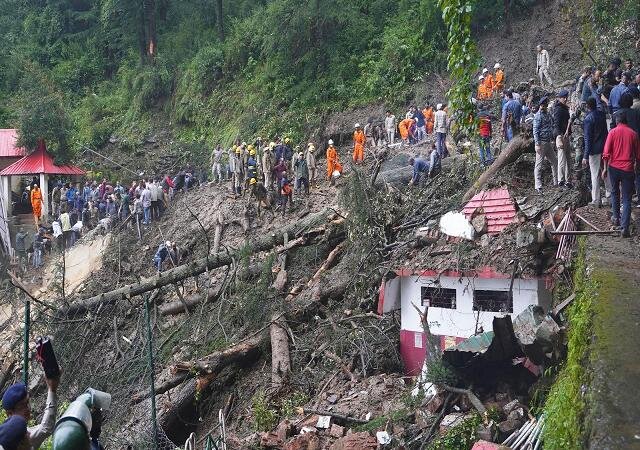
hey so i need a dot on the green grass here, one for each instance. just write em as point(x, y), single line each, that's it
point(565, 407)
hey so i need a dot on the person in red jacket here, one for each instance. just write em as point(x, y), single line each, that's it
point(621, 159)
point(485, 131)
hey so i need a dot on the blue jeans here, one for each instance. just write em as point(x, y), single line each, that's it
point(147, 215)
point(485, 150)
point(509, 133)
point(621, 181)
point(158, 263)
point(440, 144)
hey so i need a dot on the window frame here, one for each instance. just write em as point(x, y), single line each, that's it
point(485, 293)
point(424, 292)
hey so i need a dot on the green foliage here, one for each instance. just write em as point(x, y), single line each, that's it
point(461, 436)
point(266, 414)
point(463, 60)
point(565, 404)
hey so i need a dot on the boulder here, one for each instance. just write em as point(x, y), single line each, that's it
point(307, 441)
point(356, 441)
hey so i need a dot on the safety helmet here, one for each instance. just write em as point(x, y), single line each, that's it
point(252, 181)
point(272, 145)
point(357, 125)
point(287, 140)
point(238, 150)
point(439, 106)
point(480, 78)
point(485, 70)
point(330, 141)
point(252, 152)
point(497, 66)
point(168, 243)
point(244, 144)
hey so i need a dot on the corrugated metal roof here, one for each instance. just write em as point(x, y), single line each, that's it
point(478, 343)
point(40, 161)
point(498, 206)
point(8, 149)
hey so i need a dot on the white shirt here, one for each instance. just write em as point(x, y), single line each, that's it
point(390, 123)
point(39, 433)
point(440, 121)
point(57, 229)
point(542, 61)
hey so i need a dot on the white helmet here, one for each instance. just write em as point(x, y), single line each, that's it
point(485, 70)
point(330, 141)
point(357, 125)
point(439, 106)
point(168, 243)
point(480, 78)
point(497, 66)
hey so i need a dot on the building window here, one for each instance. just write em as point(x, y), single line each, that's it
point(492, 301)
point(436, 297)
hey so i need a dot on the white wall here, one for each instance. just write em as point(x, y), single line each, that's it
point(461, 322)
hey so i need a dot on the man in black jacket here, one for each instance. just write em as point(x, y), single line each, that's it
point(562, 130)
point(595, 135)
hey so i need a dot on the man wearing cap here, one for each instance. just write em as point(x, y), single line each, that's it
point(15, 402)
point(13, 433)
point(543, 140)
point(358, 144)
point(561, 131)
point(542, 65)
point(498, 79)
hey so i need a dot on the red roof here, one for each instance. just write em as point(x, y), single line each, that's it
point(498, 206)
point(8, 149)
point(40, 161)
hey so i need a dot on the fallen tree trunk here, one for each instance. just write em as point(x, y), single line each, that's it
point(280, 358)
point(197, 267)
point(400, 176)
point(517, 146)
point(219, 223)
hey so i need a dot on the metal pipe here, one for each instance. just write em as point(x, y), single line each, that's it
point(525, 433)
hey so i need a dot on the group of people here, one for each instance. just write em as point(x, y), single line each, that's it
point(491, 84)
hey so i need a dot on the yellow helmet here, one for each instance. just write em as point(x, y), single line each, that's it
point(252, 152)
point(238, 150)
point(252, 181)
point(287, 141)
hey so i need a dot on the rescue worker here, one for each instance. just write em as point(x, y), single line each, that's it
point(420, 166)
point(235, 165)
point(36, 204)
point(286, 192)
point(542, 65)
point(359, 140)
point(311, 163)
point(216, 164)
point(260, 194)
point(488, 82)
point(268, 161)
point(252, 165)
point(484, 132)
point(498, 79)
point(428, 118)
point(333, 162)
point(482, 89)
point(404, 126)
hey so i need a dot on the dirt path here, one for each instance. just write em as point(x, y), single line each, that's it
point(614, 393)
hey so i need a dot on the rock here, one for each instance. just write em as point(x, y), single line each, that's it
point(487, 432)
point(311, 421)
point(509, 426)
point(485, 445)
point(451, 420)
point(479, 223)
point(356, 441)
point(336, 431)
point(270, 440)
point(307, 441)
point(502, 397)
point(333, 398)
point(485, 240)
point(284, 429)
point(516, 414)
point(510, 406)
point(424, 418)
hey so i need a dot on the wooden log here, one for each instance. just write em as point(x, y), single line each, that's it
point(194, 268)
point(217, 234)
point(327, 263)
point(517, 146)
point(280, 357)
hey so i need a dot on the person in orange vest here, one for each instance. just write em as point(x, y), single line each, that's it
point(482, 89)
point(404, 126)
point(488, 82)
point(333, 162)
point(498, 79)
point(428, 117)
point(36, 203)
point(358, 144)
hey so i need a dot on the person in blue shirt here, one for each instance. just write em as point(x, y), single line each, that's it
point(71, 195)
point(618, 91)
point(421, 130)
point(511, 115)
point(420, 166)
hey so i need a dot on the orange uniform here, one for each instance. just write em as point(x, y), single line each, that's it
point(404, 127)
point(428, 118)
point(483, 94)
point(358, 145)
point(489, 84)
point(333, 162)
point(36, 202)
point(499, 81)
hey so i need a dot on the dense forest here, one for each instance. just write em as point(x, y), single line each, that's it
point(77, 72)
